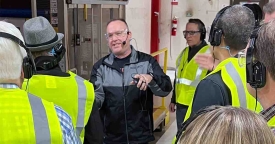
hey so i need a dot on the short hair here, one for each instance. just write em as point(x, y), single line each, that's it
point(198, 22)
point(269, 8)
point(237, 23)
point(119, 19)
point(227, 125)
point(265, 47)
point(11, 53)
point(36, 54)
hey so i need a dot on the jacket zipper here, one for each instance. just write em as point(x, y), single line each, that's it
point(125, 115)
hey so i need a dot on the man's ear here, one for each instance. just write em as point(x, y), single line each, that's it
point(22, 75)
point(129, 35)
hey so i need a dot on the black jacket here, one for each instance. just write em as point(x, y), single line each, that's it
point(211, 91)
point(127, 111)
point(94, 127)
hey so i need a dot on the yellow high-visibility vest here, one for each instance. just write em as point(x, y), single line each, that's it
point(74, 94)
point(27, 119)
point(188, 75)
point(234, 77)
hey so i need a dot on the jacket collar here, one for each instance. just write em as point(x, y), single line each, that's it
point(134, 57)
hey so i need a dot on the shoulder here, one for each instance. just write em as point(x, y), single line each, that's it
point(100, 62)
point(214, 86)
point(144, 56)
point(212, 83)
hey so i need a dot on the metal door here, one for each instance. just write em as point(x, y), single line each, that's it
point(87, 43)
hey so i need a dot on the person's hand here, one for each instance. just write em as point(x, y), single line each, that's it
point(205, 61)
point(144, 80)
point(172, 107)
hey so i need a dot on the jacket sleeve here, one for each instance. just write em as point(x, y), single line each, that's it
point(161, 84)
point(173, 99)
point(94, 128)
point(96, 79)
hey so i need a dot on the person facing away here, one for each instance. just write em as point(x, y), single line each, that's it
point(65, 89)
point(207, 61)
point(226, 85)
point(260, 56)
point(226, 125)
point(188, 73)
point(125, 82)
point(26, 118)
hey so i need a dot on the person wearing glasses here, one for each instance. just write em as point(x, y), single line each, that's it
point(125, 81)
point(188, 73)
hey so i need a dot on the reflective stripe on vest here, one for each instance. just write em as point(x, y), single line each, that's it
point(197, 78)
point(238, 81)
point(82, 96)
point(41, 127)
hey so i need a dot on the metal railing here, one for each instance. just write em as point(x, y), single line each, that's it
point(165, 51)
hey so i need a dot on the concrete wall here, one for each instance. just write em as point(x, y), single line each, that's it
point(205, 10)
point(138, 17)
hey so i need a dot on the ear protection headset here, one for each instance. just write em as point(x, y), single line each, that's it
point(190, 120)
point(203, 30)
point(255, 70)
point(28, 63)
point(257, 11)
point(216, 33)
point(59, 52)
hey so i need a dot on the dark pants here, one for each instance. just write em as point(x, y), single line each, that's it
point(180, 114)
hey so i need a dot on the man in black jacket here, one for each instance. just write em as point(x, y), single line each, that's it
point(124, 83)
point(67, 90)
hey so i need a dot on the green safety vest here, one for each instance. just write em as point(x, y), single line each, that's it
point(234, 77)
point(27, 119)
point(188, 75)
point(74, 94)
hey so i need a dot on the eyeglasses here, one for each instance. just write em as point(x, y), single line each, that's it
point(117, 34)
point(190, 32)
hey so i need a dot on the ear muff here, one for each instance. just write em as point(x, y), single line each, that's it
point(255, 70)
point(28, 62)
point(203, 30)
point(216, 33)
point(27, 68)
point(257, 11)
point(203, 33)
point(59, 51)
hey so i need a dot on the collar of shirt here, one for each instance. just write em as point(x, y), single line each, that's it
point(268, 113)
point(9, 86)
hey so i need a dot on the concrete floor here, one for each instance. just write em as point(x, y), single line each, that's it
point(166, 136)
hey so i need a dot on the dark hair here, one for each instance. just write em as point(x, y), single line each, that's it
point(201, 26)
point(119, 19)
point(237, 24)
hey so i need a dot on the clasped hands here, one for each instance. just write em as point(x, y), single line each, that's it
point(143, 81)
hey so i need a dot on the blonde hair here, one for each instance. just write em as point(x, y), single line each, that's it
point(228, 125)
point(11, 53)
